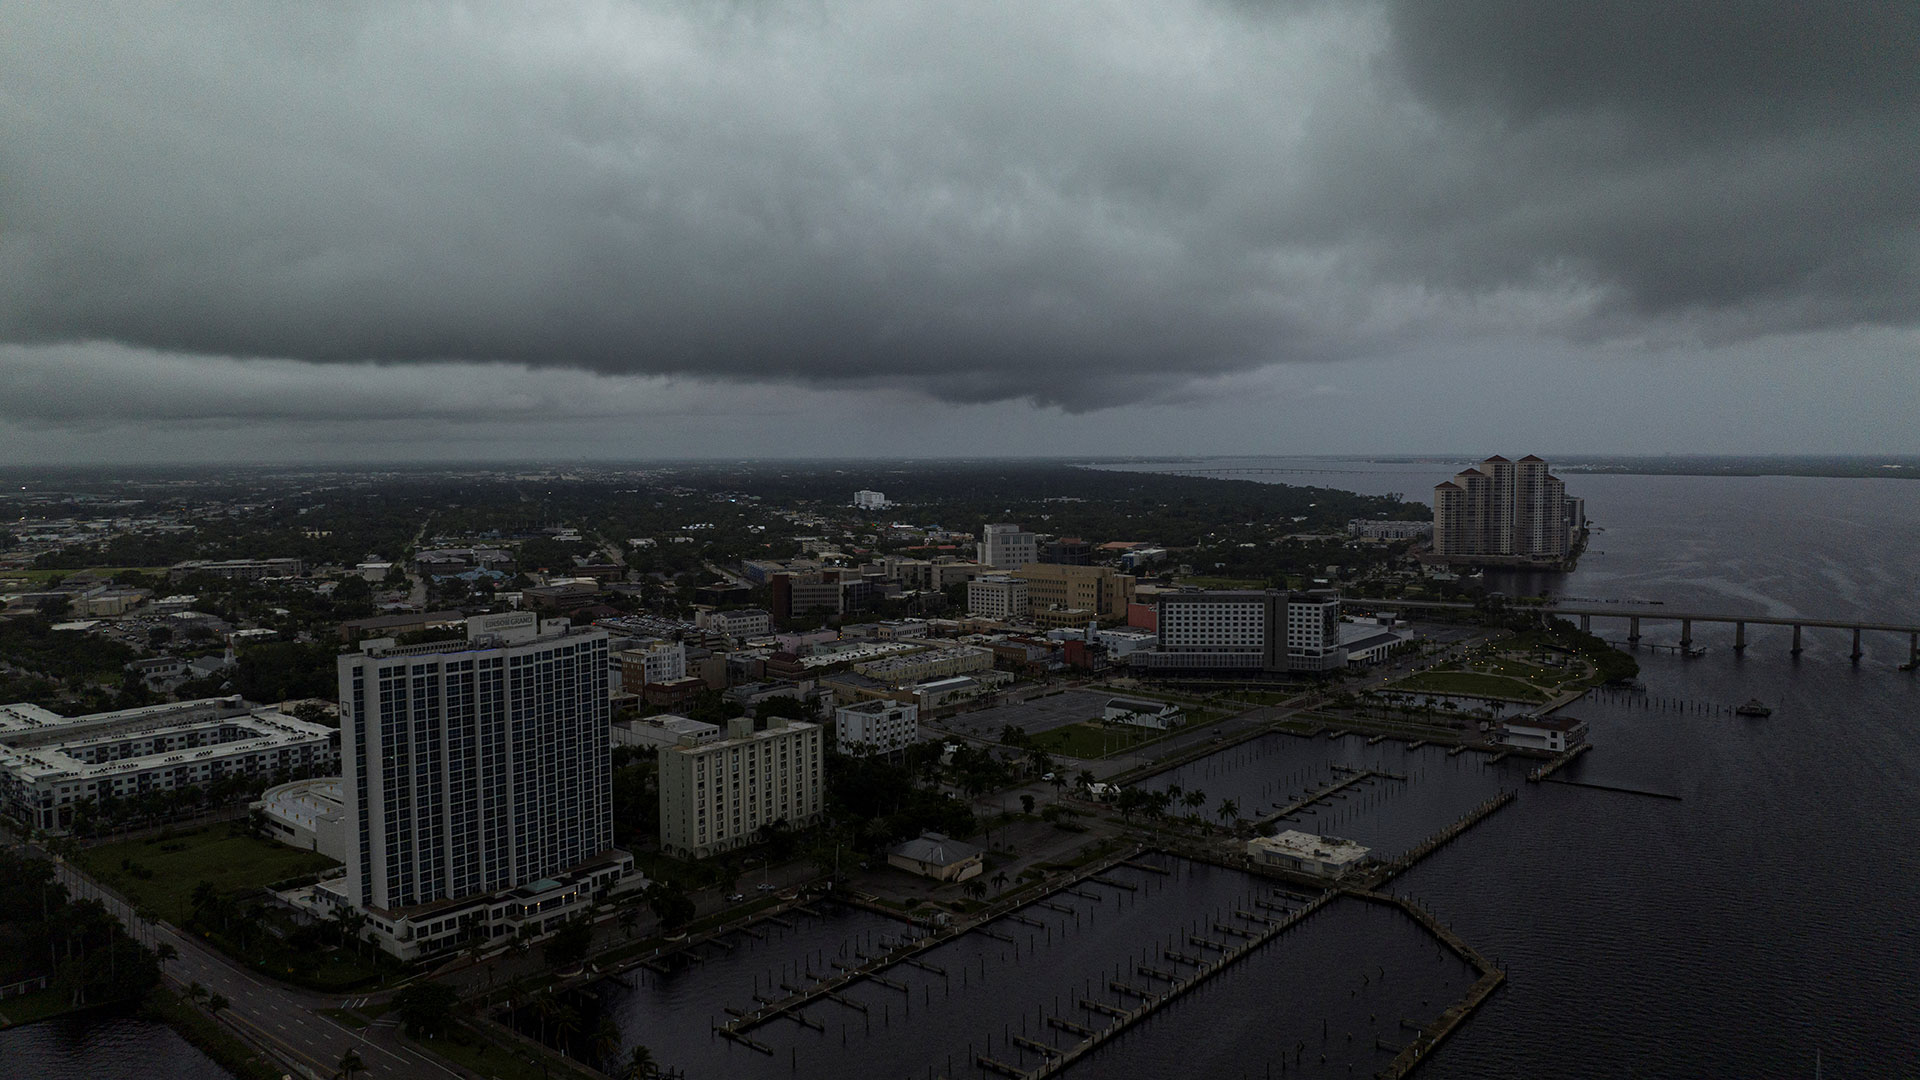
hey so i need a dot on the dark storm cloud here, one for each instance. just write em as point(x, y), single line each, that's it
point(1756, 163)
point(1079, 205)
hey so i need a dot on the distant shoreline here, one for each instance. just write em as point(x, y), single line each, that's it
point(1897, 467)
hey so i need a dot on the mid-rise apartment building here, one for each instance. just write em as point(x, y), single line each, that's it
point(1007, 546)
point(50, 765)
point(717, 796)
point(473, 770)
point(869, 500)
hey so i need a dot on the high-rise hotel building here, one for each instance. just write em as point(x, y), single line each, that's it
point(1249, 631)
point(477, 769)
point(1502, 509)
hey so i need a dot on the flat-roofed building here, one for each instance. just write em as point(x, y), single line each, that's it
point(1007, 546)
point(737, 623)
point(1550, 733)
point(1000, 597)
point(719, 795)
point(652, 664)
point(1071, 595)
point(875, 727)
point(50, 765)
point(1305, 853)
point(1246, 631)
point(307, 814)
point(928, 664)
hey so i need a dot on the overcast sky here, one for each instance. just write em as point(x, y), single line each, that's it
point(392, 230)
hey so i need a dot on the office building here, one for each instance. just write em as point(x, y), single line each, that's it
point(1008, 547)
point(738, 623)
point(1059, 595)
point(815, 593)
point(477, 779)
point(998, 596)
point(869, 500)
point(875, 727)
point(651, 664)
point(716, 796)
point(51, 764)
point(1067, 551)
point(1501, 511)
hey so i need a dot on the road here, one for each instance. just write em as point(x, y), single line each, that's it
point(281, 1020)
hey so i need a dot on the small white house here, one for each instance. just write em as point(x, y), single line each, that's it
point(1551, 733)
point(1159, 715)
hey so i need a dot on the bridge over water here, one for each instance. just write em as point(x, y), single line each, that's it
point(1634, 616)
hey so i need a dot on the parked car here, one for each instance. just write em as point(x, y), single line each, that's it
point(736, 898)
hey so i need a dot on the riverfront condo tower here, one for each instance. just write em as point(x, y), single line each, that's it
point(474, 766)
point(1502, 510)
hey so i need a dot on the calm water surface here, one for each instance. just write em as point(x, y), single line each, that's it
point(102, 1047)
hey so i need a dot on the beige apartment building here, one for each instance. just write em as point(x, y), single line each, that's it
point(718, 796)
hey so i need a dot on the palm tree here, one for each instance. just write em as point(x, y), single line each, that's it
point(605, 1043)
point(164, 953)
point(640, 1064)
point(195, 992)
point(1195, 800)
point(973, 889)
point(1228, 809)
point(1085, 779)
point(1000, 880)
point(216, 1003)
point(204, 896)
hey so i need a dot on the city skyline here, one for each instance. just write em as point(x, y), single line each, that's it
point(430, 232)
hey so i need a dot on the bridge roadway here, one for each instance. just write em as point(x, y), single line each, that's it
point(1659, 613)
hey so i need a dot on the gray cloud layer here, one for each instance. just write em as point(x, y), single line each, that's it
point(1083, 205)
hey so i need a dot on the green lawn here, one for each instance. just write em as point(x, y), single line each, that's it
point(1470, 683)
point(1534, 673)
point(232, 862)
point(38, 1005)
point(1091, 739)
point(489, 1060)
point(40, 577)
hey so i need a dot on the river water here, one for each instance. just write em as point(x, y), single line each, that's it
point(1771, 913)
point(101, 1046)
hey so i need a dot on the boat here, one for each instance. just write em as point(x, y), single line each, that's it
point(1753, 707)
